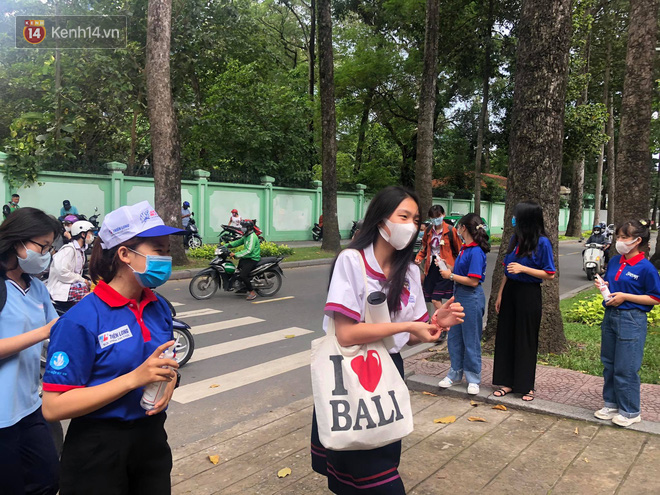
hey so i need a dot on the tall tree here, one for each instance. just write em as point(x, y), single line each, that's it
point(328, 127)
point(483, 115)
point(601, 155)
point(633, 164)
point(611, 161)
point(426, 118)
point(164, 134)
point(537, 134)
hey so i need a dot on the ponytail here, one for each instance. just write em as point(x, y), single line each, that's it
point(477, 230)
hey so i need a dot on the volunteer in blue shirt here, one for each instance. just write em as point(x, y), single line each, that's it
point(634, 285)
point(102, 354)
point(529, 261)
point(28, 459)
point(464, 340)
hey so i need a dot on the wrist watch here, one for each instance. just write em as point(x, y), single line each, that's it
point(178, 379)
point(451, 277)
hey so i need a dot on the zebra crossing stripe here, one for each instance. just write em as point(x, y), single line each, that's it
point(212, 351)
point(225, 325)
point(176, 304)
point(236, 379)
point(198, 312)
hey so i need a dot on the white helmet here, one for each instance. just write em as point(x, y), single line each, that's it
point(81, 226)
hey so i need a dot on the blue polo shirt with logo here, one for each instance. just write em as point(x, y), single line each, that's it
point(471, 262)
point(103, 337)
point(636, 275)
point(541, 259)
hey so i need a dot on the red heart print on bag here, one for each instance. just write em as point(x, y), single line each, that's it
point(368, 370)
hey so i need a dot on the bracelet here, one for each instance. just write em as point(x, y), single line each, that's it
point(451, 277)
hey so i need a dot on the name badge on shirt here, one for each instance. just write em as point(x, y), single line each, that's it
point(114, 336)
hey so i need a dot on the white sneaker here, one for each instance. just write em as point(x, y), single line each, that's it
point(473, 388)
point(445, 382)
point(606, 413)
point(623, 421)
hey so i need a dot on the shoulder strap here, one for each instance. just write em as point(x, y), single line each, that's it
point(366, 283)
point(3, 293)
point(452, 244)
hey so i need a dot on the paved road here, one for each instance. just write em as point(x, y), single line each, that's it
point(245, 365)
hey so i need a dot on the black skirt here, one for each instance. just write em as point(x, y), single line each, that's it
point(435, 287)
point(349, 472)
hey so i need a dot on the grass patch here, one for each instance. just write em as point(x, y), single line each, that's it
point(192, 264)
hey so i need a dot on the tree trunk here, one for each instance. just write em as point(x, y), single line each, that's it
point(611, 161)
point(632, 190)
point(574, 227)
point(162, 119)
point(537, 134)
point(487, 145)
point(424, 162)
point(484, 110)
point(362, 131)
point(599, 171)
point(130, 169)
point(312, 78)
point(328, 128)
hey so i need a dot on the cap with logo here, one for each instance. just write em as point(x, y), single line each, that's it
point(138, 220)
point(234, 210)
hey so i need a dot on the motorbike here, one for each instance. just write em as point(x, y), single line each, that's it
point(592, 260)
point(230, 233)
point(192, 239)
point(266, 278)
point(94, 220)
point(354, 229)
point(317, 232)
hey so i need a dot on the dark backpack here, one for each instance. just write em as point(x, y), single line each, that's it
point(3, 293)
point(452, 242)
point(6, 210)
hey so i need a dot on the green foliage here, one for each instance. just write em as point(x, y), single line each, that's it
point(204, 252)
point(207, 251)
point(590, 311)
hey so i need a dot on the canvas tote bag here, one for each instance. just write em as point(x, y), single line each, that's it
point(361, 401)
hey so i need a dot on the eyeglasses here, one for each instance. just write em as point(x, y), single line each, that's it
point(48, 248)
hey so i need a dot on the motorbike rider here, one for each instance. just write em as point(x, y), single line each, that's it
point(598, 236)
point(185, 214)
point(235, 219)
point(12, 206)
point(248, 257)
point(66, 283)
point(67, 209)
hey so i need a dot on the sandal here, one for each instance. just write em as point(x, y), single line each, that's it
point(501, 392)
point(528, 397)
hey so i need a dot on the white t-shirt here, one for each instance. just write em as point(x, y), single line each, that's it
point(346, 294)
point(235, 221)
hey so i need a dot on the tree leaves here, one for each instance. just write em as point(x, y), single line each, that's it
point(446, 420)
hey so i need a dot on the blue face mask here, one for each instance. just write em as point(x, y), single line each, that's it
point(34, 263)
point(513, 221)
point(437, 221)
point(156, 272)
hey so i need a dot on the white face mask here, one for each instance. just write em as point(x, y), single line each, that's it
point(625, 247)
point(401, 234)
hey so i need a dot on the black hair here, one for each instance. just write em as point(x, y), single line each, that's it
point(21, 226)
point(475, 226)
point(15, 195)
point(104, 263)
point(381, 207)
point(529, 228)
point(637, 228)
point(435, 211)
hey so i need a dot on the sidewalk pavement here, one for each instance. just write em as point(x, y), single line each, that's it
point(512, 451)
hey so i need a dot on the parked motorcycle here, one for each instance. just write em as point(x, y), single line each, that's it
point(592, 260)
point(317, 232)
point(94, 220)
point(230, 233)
point(192, 239)
point(266, 278)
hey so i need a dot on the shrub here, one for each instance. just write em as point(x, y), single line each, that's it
point(590, 312)
point(207, 251)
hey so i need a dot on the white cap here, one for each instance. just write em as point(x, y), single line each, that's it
point(139, 220)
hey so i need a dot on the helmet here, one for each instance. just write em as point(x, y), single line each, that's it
point(247, 224)
point(66, 203)
point(234, 210)
point(597, 229)
point(186, 204)
point(71, 218)
point(81, 226)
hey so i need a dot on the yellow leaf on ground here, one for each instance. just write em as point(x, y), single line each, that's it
point(474, 403)
point(289, 336)
point(477, 419)
point(577, 432)
point(283, 473)
point(215, 385)
point(214, 459)
point(500, 407)
point(543, 362)
point(586, 460)
point(446, 420)
point(429, 393)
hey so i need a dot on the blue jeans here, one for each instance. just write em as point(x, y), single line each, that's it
point(464, 340)
point(623, 335)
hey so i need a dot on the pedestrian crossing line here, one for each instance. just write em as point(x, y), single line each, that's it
point(236, 379)
point(212, 351)
point(198, 312)
point(224, 325)
point(273, 300)
point(176, 304)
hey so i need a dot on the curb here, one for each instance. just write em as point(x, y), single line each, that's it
point(186, 274)
point(425, 383)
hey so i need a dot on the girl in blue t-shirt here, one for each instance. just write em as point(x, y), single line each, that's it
point(464, 340)
point(28, 458)
point(528, 262)
point(635, 288)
